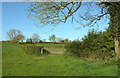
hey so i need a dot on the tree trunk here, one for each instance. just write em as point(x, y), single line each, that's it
point(117, 48)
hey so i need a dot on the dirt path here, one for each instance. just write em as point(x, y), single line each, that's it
point(56, 52)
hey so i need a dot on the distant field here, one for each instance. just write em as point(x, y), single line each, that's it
point(52, 47)
point(50, 44)
point(17, 63)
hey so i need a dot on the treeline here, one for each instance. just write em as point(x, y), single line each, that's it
point(95, 45)
point(16, 36)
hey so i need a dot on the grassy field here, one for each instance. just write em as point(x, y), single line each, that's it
point(17, 63)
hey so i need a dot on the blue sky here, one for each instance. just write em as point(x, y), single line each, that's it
point(14, 16)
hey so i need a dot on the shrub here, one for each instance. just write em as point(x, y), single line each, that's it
point(33, 49)
point(73, 47)
point(96, 45)
point(22, 43)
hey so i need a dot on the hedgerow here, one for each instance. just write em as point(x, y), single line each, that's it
point(96, 45)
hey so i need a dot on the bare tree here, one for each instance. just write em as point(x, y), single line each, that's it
point(52, 38)
point(53, 12)
point(66, 40)
point(35, 37)
point(18, 38)
point(15, 35)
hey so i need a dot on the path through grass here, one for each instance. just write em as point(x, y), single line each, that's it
point(17, 63)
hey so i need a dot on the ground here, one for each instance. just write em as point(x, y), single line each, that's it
point(16, 62)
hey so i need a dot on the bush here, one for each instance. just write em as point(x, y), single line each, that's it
point(96, 45)
point(33, 49)
point(73, 48)
point(22, 43)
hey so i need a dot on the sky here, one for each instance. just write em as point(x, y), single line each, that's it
point(14, 16)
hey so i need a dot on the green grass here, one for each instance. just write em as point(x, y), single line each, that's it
point(17, 63)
